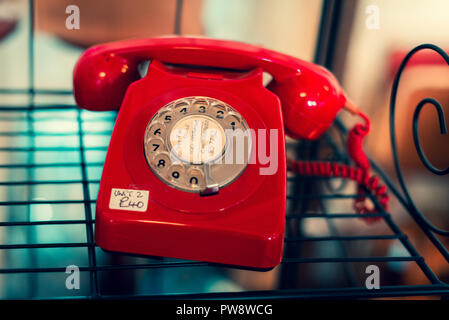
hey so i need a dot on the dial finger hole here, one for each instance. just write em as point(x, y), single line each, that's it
point(218, 111)
point(232, 122)
point(195, 178)
point(176, 173)
point(200, 106)
point(161, 162)
point(157, 130)
point(166, 117)
point(182, 108)
point(154, 146)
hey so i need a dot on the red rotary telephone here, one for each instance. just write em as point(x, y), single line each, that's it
point(189, 206)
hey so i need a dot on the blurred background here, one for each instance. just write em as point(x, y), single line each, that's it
point(44, 146)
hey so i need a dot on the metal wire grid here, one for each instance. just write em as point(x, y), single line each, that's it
point(54, 154)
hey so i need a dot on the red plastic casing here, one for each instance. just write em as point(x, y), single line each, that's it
point(243, 224)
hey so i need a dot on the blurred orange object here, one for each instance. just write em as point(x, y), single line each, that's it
point(417, 84)
point(110, 20)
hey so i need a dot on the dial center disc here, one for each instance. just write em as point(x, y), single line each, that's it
point(197, 139)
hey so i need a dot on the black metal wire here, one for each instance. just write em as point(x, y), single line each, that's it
point(31, 235)
point(87, 210)
point(178, 17)
point(416, 213)
point(443, 130)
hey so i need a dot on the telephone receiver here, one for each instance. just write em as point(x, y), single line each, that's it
point(310, 95)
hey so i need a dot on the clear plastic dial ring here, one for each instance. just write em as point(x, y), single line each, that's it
point(197, 144)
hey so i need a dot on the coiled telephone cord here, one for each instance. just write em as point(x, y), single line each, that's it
point(359, 173)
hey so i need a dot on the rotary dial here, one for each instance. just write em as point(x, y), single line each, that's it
point(197, 144)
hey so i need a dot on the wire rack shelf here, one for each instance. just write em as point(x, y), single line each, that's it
point(51, 156)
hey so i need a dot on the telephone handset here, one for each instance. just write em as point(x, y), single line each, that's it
point(168, 187)
point(310, 95)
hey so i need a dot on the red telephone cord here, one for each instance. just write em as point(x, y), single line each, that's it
point(360, 173)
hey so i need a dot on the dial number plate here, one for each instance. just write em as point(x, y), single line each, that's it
point(191, 144)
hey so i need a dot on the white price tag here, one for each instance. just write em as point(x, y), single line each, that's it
point(129, 199)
